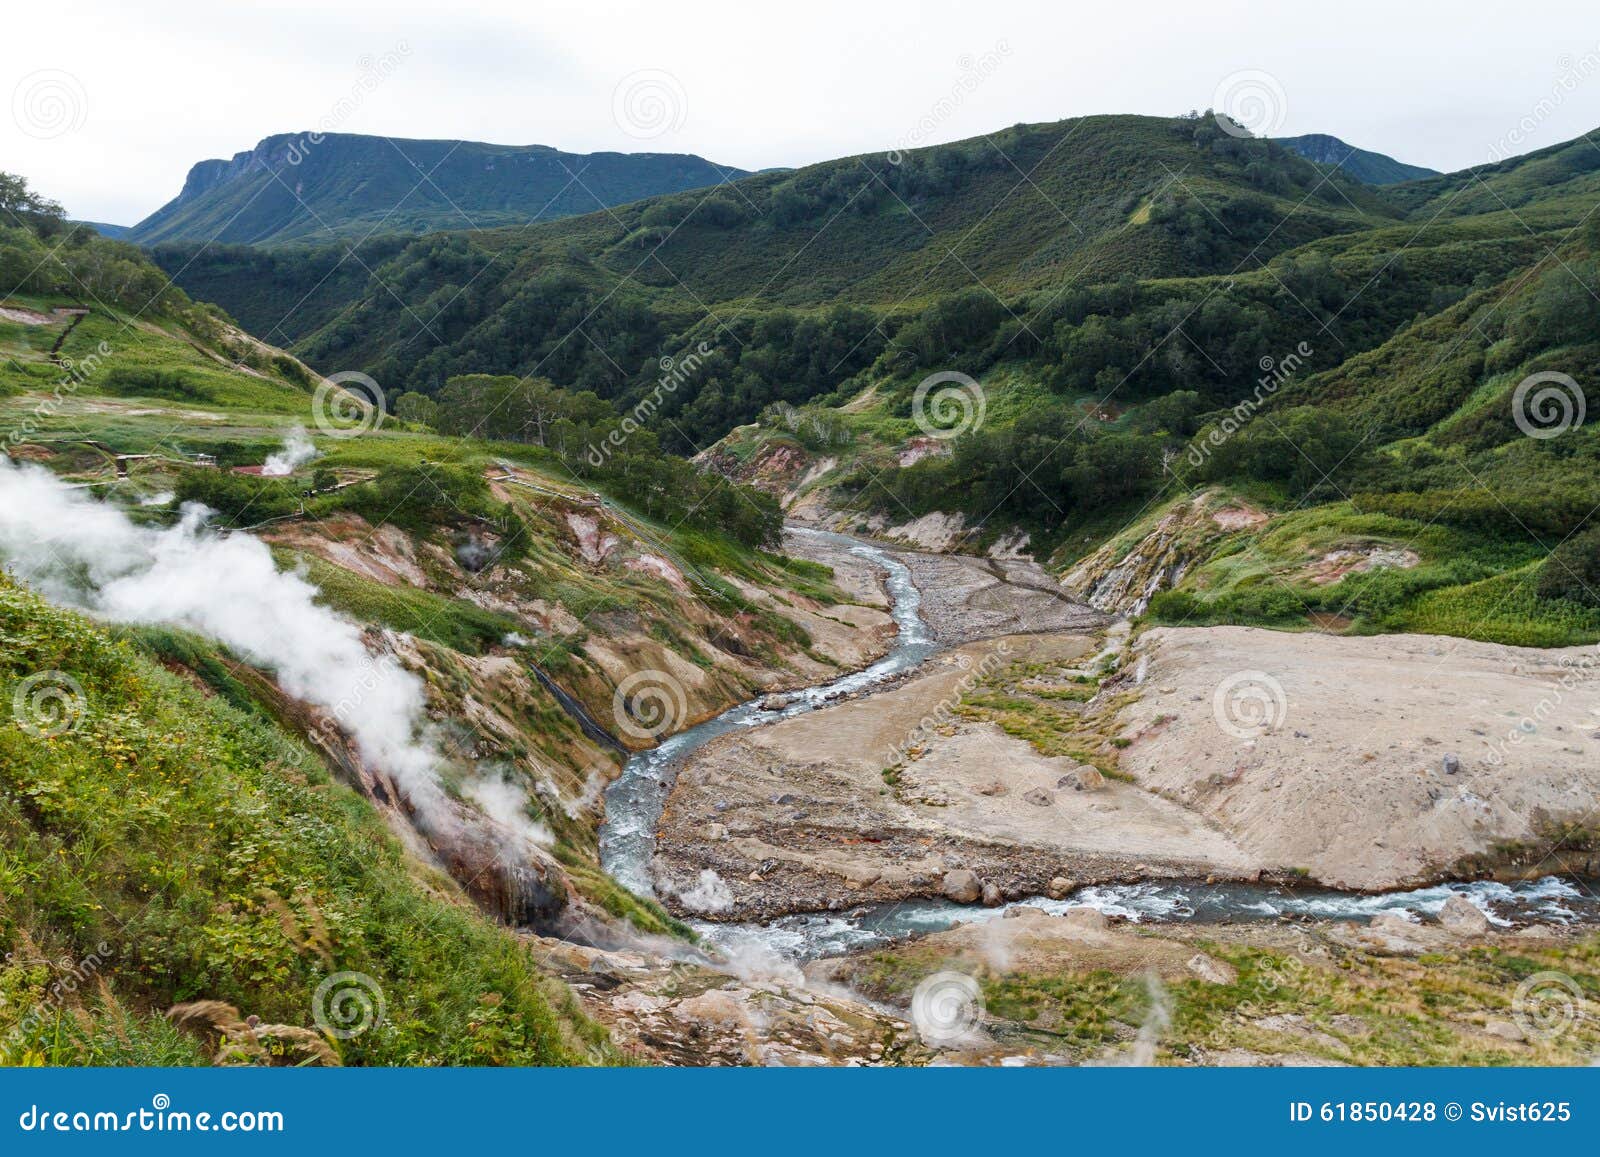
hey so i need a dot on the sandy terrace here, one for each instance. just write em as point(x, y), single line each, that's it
point(1349, 781)
point(797, 816)
point(966, 598)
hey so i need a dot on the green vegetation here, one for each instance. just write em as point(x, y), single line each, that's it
point(1267, 324)
point(1348, 1008)
point(188, 851)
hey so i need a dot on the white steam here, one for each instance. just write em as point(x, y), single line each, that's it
point(86, 554)
point(507, 804)
point(1156, 1022)
point(297, 451)
point(594, 785)
point(709, 894)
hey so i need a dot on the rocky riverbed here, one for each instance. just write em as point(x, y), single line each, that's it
point(1043, 752)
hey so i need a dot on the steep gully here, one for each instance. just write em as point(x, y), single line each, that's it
point(635, 801)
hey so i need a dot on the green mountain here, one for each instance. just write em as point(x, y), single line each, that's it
point(1365, 166)
point(1558, 178)
point(307, 187)
point(1025, 210)
point(115, 232)
point(1122, 289)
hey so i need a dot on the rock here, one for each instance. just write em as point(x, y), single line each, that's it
point(1059, 887)
point(1015, 913)
point(715, 1006)
point(1452, 763)
point(1210, 969)
point(1083, 778)
point(995, 788)
point(774, 703)
point(992, 896)
point(1461, 916)
point(1039, 797)
point(1391, 934)
point(1091, 919)
point(1505, 1030)
point(716, 831)
point(962, 886)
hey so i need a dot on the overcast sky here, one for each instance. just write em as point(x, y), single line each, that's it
point(110, 103)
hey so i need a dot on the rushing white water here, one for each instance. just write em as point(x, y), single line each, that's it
point(635, 801)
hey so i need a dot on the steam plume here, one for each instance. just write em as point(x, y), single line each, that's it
point(86, 554)
point(297, 451)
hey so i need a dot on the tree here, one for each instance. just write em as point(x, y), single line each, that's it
point(1573, 570)
point(22, 205)
point(416, 408)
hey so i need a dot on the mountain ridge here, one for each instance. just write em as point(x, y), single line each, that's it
point(317, 186)
point(1364, 165)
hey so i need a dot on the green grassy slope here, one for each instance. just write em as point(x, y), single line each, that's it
point(177, 848)
point(192, 838)
point(297, 187)
point(1567, 171)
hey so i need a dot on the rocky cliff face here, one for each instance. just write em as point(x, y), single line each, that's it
point(1126, 573)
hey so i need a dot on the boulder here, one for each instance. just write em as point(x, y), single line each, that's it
point(1391, 934)
point(1461, 916)
point(1039, 797)
point(774, 703)
point(992, 896)
point(1505, 1030)
point(1083, 778)
point(1088, 919)
point(962, 885)
point(1059, 887)
point(1452, 763)
point(1212, 970)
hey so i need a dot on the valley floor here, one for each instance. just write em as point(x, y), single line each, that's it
point(1044, 751)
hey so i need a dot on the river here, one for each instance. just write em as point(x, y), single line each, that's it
point(634, 804)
